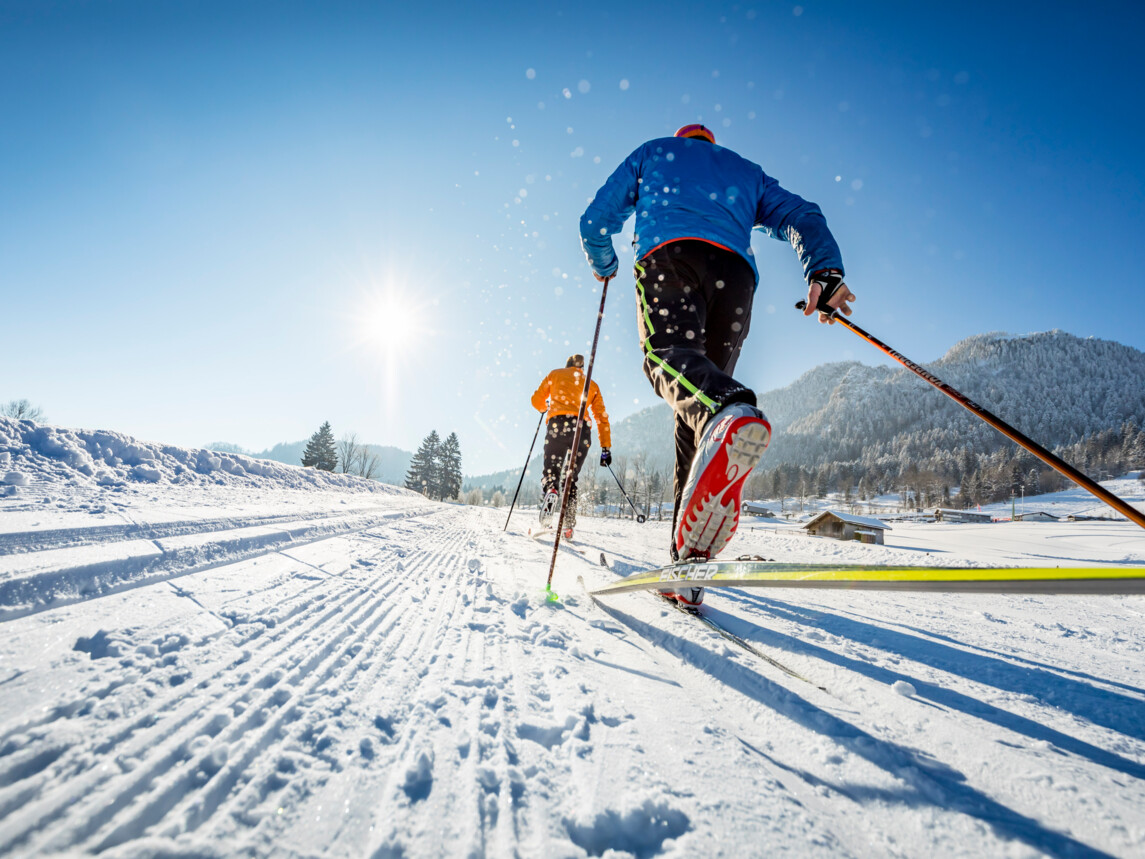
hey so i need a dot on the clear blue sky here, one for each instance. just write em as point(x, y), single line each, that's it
point(233, 221)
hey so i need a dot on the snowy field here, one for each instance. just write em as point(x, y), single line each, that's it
point(203, 655)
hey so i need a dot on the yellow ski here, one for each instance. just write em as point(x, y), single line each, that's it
point(772, 574)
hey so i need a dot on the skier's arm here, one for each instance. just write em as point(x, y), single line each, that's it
point(541, 395)
point(788, 217)
point(596, 403)
point(606, 214)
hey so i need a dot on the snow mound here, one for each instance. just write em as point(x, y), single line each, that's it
point(33, 454)
point(639, 831)
point(904, 688)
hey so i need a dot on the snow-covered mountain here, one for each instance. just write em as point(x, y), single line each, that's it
point(1053, 386)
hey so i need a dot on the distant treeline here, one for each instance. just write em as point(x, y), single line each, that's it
point(961, 478)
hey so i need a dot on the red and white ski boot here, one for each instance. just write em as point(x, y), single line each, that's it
point(732, 445)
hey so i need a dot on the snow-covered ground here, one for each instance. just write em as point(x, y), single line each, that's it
point(202, 655)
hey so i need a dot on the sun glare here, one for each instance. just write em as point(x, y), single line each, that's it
point(392, 323)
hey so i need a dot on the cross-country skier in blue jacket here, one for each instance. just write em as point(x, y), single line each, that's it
point(695, 204)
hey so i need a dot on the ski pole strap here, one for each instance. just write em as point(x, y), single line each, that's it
point(829, 281)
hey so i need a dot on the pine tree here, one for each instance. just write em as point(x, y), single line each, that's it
point(449, 481)
point(320, 451)
point(1137, 452)
point(423, 474)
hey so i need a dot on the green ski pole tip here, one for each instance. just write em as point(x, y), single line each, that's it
point(550, 595)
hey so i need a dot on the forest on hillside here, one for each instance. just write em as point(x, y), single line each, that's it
point(862, 431)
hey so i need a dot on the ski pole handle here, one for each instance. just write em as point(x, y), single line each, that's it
point(822, 307)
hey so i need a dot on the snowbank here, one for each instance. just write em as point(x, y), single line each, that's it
point(89, 513)
point(32, 453)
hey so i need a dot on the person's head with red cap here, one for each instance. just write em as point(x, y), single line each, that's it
point(696, 130)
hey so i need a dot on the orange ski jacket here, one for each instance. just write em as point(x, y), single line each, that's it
point(561, 388)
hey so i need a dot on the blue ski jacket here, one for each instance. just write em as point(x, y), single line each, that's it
point(687, 188)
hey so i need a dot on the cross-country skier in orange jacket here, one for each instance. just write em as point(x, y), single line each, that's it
point(560, 394)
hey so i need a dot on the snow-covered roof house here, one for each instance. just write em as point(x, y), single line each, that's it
point(943, 514)
point(846, 526)
point(1036, 516)
point(754, 508)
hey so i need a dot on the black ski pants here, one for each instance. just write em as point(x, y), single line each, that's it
point(558, 442)
point(694, 310)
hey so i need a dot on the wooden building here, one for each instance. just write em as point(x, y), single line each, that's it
point(845, 526)
point(754, 508)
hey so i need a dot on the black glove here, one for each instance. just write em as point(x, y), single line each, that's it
point(829, 280)
point(605, 457)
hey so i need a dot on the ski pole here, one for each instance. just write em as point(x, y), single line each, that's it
point(639, 515)
point(576, 439)
point(523, 470)
point(1054, 462)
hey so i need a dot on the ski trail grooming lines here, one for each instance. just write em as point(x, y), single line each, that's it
point(523, 470)
point(549, 595)
point(1059, 465)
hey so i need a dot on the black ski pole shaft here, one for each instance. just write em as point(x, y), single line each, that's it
point(1059, 465)
point(576, 434)
point(523, 470)
point(639, 517)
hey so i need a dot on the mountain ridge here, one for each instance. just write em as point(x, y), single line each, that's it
point(1055, 387)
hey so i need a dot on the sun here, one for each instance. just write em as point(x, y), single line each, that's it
point(392, 322)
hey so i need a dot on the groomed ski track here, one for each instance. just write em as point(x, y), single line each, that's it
point(399, 688)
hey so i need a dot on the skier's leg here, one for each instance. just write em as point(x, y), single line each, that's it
point(582, 452)
point(577, 464)
point(673, 292)
point(556, 445)
point(554, 454)
point(729, 289)
point(735, 436)
point(685, 452)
